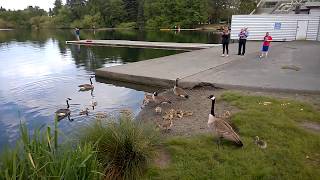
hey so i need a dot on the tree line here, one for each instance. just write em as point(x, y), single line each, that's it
point(126, 13)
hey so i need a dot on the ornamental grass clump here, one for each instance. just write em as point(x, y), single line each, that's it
point(39, 157)
point(125, 146)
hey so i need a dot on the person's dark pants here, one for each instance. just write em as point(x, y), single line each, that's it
point(225, 47)
point(242, 45)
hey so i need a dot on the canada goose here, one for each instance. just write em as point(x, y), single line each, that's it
point(179, 113)
point(160, 99)
point(158, 110)
point(166, 126)
point(168, 117)
point(62, 113)
point(147, 98)
point(179, 91)
point(221, 128)
point(87, 87)
point(226, 115)
point(126, 112)
point(101, 115)
point(187, 113)
point(260, 143)
point(93, 103)
point(84, 112)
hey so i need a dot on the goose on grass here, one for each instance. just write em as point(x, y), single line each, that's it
point(220, 128)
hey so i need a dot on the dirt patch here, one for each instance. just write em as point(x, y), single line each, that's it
point(198, 103)
point(312, 126)
point(163, 158)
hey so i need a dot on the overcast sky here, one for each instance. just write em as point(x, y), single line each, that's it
point(21, 4)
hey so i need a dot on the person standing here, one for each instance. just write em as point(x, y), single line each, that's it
point(225, 41)
point(77, 32)
point(242, 41)
point(266, 44)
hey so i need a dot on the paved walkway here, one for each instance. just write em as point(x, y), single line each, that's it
point(206, 66)
point(145, 44)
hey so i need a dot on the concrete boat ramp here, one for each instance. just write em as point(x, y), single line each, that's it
point(144, 44)
point(291, 66)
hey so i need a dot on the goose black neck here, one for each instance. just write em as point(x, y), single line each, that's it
point(68, 104)
point(212, 107)
point(176, 82)
point(90, 81)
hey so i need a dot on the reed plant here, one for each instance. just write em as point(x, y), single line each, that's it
point(39, 157)
point(125, 146)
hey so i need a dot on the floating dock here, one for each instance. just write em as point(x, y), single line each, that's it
point(145, 44)
point(207, 67)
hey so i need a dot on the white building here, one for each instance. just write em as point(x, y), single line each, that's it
point(281, 20)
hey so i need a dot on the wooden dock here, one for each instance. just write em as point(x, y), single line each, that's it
point(145, 44)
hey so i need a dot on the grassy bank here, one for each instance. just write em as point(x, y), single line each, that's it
point(292, 151)
point(108, 149)
point(40, 157)
point(123, 148)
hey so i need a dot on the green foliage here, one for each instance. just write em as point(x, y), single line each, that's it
point(125, 148)
point(146, 13)
point(170, 13)
point(129, 25)
point(21, 18)
point(292, 151)
point(38, 22)
point(131, 9)
point(39, 157)
point(4, 24)
point(246, 6)
point(57, 7)
point(63, 19)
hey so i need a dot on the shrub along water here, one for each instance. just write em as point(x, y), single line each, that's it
point(125, 148)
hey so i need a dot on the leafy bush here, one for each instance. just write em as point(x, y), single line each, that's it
point(39, 22)
point(38, 157)
point(128, 25)
point(125, 148)
point(5, 24)
point(88, 21)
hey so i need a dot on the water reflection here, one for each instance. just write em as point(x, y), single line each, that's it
point(38, 71)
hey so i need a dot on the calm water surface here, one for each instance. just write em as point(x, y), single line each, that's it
point(38, 71)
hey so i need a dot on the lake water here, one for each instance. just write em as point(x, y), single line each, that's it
point(38, 71)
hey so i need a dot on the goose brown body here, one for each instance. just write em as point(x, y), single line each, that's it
point(179, 91)
point(260, 143)
point(221, 128)
point(63, 113)
point(86, 87)
point(167, 125)
point(159, 99)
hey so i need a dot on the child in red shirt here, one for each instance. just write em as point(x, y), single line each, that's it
point(266, 44)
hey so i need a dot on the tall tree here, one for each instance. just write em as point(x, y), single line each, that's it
point(246, 6)
point(2, 9)
point(131, 9)
point(57, 5)
point(77, 8)
point(140, 16)
point(168, 13)
point(216, 10)
point(50, 12)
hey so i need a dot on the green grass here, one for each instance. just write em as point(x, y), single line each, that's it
point(39, 157)
point(289, 145)
point(125, 147)
point(119, 148)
